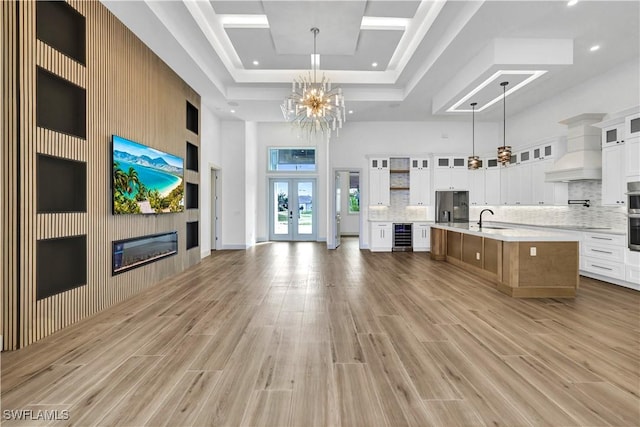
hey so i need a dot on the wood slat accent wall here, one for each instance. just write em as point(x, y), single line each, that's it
point(130, 92)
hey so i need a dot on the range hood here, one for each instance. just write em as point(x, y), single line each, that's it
point(583, 157)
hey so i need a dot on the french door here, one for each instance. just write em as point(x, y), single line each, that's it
point(292, 210)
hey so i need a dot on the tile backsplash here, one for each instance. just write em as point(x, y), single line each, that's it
point(594, 216)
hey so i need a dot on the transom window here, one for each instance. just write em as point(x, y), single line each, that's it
point(292, 159)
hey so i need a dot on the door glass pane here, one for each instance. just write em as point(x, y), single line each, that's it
point(443, 162)
point(280, 207)
point(305, 207)
point(458, 162)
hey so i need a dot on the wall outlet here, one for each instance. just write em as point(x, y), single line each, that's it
point(478, 256)
point(532, 251)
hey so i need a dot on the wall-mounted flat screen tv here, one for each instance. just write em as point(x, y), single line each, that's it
point(145, 180)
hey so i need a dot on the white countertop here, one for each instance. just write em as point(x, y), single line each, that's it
point(579, 228)
point(508, 233)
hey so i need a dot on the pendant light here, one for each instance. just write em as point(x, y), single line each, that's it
point(504, 152)
point(473, 162)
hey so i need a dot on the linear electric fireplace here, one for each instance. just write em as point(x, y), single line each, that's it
point(138, 251)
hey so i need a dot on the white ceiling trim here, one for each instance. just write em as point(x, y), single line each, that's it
point(213, 30)
point(533, 74)
point(453, 30)
point(237, 93)
point(213, 25)
point(423, 20)
point(161, 13)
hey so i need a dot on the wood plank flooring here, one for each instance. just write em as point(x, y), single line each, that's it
point(291, 334)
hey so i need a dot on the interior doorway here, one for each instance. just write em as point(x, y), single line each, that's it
point(345, 206)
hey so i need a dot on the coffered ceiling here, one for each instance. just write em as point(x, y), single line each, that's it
point(396, 60)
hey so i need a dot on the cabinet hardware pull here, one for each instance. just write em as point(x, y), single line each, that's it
point(603, 268)
point(600, 238)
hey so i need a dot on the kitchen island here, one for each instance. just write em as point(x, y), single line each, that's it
point(523, 263)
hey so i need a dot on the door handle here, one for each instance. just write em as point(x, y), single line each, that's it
point(290, 214)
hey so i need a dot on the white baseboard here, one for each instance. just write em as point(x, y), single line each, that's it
point(235, 247)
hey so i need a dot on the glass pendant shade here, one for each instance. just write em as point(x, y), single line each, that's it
point(504, 154)
point(473, 162)
point(504, 151)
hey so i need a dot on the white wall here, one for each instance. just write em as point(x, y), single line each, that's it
point(233, 186)
point(251, 182)
point(612, 92)
point(210, 156)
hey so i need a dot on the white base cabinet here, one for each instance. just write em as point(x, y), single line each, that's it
point(381, 236)
point(602, 256)
point(421, 237)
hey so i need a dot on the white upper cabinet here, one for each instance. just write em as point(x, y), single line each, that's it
point(547, 193)
point(419, 182)
point(632, 146)
point(477, 188)
point(612, 135)
point(492, 172)
point(379, 180)
point(613, 176)
point(450, 173)
point(542, 152)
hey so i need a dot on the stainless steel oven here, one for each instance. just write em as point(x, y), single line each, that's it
point(633, 197)
point(634, 232)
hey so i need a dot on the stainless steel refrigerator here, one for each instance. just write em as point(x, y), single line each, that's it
point(452, 206)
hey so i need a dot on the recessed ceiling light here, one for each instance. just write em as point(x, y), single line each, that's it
point(374, 64)
point(233, 111)
point(572, 2)
point(256, 62)
point(350, 111)
point(594, 47)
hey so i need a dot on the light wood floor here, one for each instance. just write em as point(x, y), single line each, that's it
point(291, 334)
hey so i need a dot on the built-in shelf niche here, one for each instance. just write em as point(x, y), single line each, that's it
point(138, 251)
point(192, 118)
point(61, 185)
point(192, 234)
point(61, 265)
point(62, 27)
point(60, 105)
point(192, 157)
point(191, 195)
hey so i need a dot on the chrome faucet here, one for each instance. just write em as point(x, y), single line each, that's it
point(481, 212)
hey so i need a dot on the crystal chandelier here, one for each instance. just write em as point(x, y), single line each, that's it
point(504, 152)
point(314, 106)
point(473, 162)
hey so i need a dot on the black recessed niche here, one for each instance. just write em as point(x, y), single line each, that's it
point(60, 105)
point(61, 265)
point(192, 118)
point(61, 185)
point(192, 196)
point(192, 157)
point(192, 234)
point(62, 27)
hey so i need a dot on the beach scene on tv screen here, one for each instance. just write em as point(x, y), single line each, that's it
point(145, 180)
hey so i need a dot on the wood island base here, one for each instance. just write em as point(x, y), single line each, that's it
point(521, 269)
